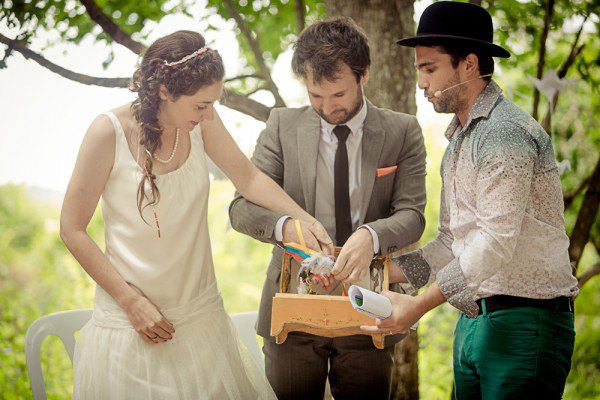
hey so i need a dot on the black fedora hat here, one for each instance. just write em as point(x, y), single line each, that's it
point(450, 23)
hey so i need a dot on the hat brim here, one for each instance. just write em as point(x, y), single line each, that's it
point(484, 48)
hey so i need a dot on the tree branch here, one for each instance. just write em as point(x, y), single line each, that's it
point(235, 101)
point(113, 30)
point(542, 56)
point(575, 51)
point(586, 217)
point(595, 239)
point(256, 89)
point(239, 77)
point(569, 197)
point(254, 46)
point(588, 274)
point(22, 48)
point(300, 15)
point(245, 105)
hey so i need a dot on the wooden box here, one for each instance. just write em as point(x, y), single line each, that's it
point(329, 315)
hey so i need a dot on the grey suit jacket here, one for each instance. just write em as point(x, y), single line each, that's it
point(287, 152)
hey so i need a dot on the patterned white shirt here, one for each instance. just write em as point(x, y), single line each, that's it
point(501, 212)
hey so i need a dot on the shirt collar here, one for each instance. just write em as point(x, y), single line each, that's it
point(483, 106)
point(354, 124)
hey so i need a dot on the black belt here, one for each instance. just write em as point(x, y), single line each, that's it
point(500, 301)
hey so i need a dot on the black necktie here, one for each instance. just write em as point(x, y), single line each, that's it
point(343, 221)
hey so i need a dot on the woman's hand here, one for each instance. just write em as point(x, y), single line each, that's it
point(320, 234)
point(147, 321)
point(315, 235)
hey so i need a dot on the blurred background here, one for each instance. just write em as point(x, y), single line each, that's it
point(64, 62)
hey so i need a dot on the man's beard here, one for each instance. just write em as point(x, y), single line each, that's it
point(451, 101)
point(346, 115)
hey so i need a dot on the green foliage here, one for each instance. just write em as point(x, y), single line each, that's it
point(435, 151)
point(436, 327)
point(272, 22)
point(575, 127)
point(584, 380)
point(273, 25)
point(240, 261)
point(71, 22)
point(37, 277)
point(436, 331)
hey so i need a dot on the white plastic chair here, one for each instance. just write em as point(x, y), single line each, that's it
point(66, 323)
point(244, 323)
point(62, 324)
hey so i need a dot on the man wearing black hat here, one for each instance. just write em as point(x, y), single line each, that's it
point(501, 254)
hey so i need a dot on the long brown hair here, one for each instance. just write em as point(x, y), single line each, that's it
point(183, 79)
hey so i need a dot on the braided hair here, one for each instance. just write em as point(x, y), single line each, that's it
point(182, 79)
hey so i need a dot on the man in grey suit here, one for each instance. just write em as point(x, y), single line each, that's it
point(360, 170)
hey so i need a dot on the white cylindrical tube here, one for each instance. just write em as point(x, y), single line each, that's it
point(370, 303)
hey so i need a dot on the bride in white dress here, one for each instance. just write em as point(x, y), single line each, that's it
point(159, 329)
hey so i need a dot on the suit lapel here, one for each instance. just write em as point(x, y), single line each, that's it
point(372, 145)
point(308, 135)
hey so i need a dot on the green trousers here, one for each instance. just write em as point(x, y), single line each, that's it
point(513, 353)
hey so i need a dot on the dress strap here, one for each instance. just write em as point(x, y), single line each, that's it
point(117, 124)
point(122, 152)
point(121, 146)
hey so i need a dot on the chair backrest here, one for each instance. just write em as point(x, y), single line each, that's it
point(62, 324)
point(245, 324)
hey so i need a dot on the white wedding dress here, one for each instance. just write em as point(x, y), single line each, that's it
point(205, 359)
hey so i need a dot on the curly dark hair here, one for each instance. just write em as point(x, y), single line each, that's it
point(183, 79)
point(323, 47)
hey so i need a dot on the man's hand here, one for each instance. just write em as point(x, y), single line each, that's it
point(406, 311)
point(315, 235)
point(355, 257)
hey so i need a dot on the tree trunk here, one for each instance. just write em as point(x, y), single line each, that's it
point(392, 80)
point(405, 375)
point(392, 85)
point(586, 217)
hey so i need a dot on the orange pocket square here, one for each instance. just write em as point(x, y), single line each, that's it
point(386, 170)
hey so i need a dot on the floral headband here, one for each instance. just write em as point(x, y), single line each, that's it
point(188, 57)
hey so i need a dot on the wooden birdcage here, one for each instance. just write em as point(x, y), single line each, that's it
point(323, 314)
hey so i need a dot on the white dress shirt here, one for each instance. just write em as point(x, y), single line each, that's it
point(325, 200)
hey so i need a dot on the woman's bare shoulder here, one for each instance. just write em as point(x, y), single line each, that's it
point(123, 112)
point(103, 128)
point(125, 115)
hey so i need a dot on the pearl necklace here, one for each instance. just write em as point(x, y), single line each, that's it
point(168, 160)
